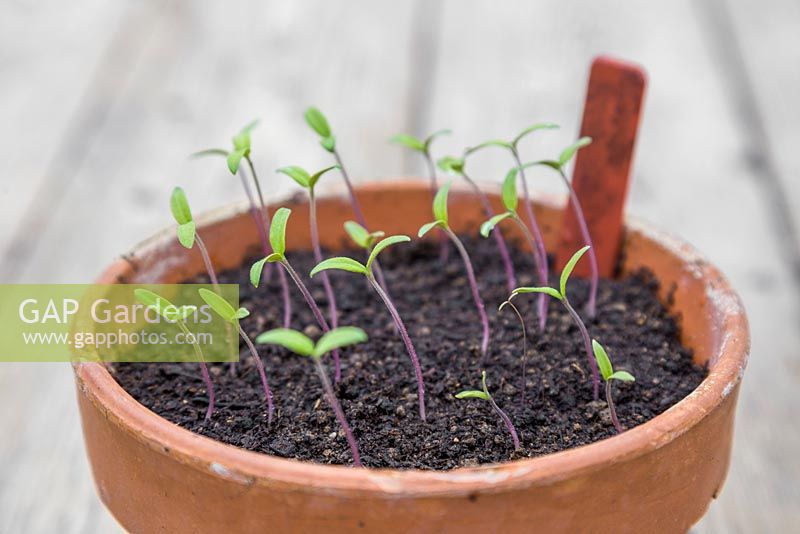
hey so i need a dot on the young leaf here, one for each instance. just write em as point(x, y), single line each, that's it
point(451, 164)
point(328, 143)
point(568, 152)
point(341, 263)
point(287, 338)
point(547, 290)
point(357, 233)
point(210, 152)
point(298, 174)
point(440, 202)
point(338, 338)
point(219, 305)
point(180, 206)
point(531, 129)
point(408, 141)
point(382, 244)
point(472, 394)
point(488, 226)
point(603, 362)
point(317, 121)
point(256, 270)
point(425, 228)
point(624, 376)
point(434, 135)
point(234, 159)
point(314, 178)
point(277, 230)
point(161, 305)
point(569, 267)
point(186, 234)
point(509, 191)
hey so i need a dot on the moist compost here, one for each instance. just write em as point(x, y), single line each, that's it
point(378, 391)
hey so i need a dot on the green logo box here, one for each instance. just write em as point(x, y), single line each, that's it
point(110, 323)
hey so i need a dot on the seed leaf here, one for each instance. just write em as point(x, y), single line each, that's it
point(568, 152)
point(234, 159)
point(277, 230)
point(440, 202)
point(492, 142)
point(509, 191)
point(161, 305)
point(488, 226)
point(251, 125)
point(219, 305)
point(255, 271)
point(289, 339)
point(533, 128)
point(409, 141)
point(382, 244)
point(341, 263)
point(328, 143)
point(624, 376)
point(357, 233)
point(425, 228)
point(298, 174)
point(318, 122)
point(434, 135)
point(569, 267)
point(338, 338)
point(186, 234)
point(472, 394)
point(314, 178)
point(451, 164)
point(241, 313)
point(210, 152)
point(180, 206)
point(603, 362)
point(546, 290)
point(241, 141)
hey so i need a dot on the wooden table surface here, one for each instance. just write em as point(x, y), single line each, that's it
point(102, 102)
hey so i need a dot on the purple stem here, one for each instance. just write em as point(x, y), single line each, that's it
point(511, 278)
point(261, 224)
point(215, 283)
point(412, 353)
point(261, 372)
point(309, 300)
point(359, 215)
point(326, 282)
point(337, 409)
point(524, 348)
point(444, 250)
point(507, 421)
point(473, 284)
point(539, 240)
point(203, 372)
point(587, 345)
point(591, 305)
point(263, 214)
point(542, 304)
point(612, 409)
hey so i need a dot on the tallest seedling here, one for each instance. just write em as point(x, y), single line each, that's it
point(558, 166)
point(233, 158)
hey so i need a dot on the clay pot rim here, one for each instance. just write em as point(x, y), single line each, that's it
point(249, 467)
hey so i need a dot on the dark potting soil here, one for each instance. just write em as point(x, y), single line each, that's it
point(378, 391)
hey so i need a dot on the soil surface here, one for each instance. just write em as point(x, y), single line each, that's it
point(378, 390)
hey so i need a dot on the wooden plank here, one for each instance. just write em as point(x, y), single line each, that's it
point(506, 65)
point(201, 73)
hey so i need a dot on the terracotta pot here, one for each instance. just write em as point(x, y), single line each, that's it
point(658, 477)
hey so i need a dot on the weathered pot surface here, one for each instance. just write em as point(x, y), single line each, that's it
point(658, 477)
